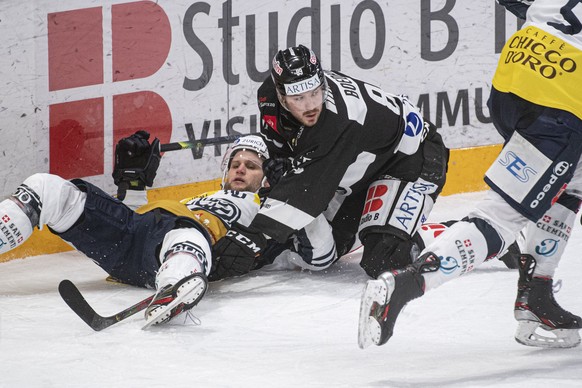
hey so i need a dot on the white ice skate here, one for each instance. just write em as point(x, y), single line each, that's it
point(172, 300)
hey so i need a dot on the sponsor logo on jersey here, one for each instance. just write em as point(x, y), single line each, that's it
point(271, 121)
point(414, 125)
point(223, 208)
point(534, 54)
point(298, 163)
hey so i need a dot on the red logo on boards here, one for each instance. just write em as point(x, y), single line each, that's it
point(140, 43)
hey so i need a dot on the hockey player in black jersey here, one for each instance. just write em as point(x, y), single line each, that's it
point(364, 158)
point(537, 178)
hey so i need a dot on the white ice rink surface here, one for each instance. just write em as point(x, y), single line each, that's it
point(280, 329)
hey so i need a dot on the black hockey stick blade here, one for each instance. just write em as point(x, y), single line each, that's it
point(76, 301)
point(197, 144)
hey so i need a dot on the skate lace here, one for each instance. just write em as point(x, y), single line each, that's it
point(557, 286)
point(189, 316)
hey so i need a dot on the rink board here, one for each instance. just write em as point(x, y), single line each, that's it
point(466, 169)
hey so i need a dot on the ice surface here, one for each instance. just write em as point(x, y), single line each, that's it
point(279, 329)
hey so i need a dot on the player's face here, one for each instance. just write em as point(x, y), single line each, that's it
point(306, 107)
point(245, 172)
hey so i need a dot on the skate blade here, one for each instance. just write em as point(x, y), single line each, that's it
point(374, 296)
point(191, 292)
point(531, 333)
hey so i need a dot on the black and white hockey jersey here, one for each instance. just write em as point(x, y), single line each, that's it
point(363, 133)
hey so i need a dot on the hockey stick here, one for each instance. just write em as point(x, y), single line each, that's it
point(76, 301)
point(197, 144)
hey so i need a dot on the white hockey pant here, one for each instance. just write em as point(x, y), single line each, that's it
point(60, 202)
point(184, 252)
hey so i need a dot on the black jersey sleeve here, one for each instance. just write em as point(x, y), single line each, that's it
point(516, 7)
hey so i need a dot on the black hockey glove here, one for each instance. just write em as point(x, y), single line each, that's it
point(235, 254)
point(136, 162)
point(275, 168)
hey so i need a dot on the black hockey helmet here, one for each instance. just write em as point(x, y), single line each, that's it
point(296, 70)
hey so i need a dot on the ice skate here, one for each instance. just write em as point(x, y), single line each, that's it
point(542, 322)
point(385, 297)
point(172, 300)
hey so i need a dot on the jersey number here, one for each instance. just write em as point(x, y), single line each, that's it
point(382, 98)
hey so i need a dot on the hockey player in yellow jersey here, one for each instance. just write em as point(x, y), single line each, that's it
point(536, 107)
point(166, 245)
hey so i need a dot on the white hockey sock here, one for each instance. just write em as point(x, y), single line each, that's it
point(461, 248)
point(15, 226)
point(183, 253)
point(546, 240)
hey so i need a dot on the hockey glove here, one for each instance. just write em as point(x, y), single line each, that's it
point(275, 168)
point(235, 254)
point(136, 162)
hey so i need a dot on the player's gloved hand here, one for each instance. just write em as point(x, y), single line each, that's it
point(275, 168)
point(136, 162)
point(235, 254)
